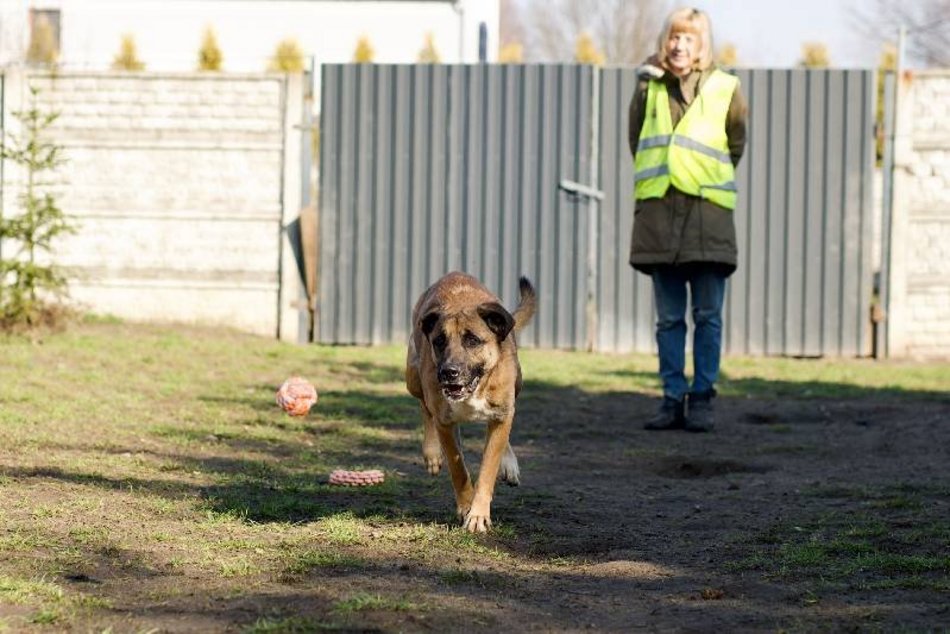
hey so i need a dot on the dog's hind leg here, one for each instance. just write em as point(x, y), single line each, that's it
point(509, 471)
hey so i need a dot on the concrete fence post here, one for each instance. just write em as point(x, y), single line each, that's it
point(291, 300)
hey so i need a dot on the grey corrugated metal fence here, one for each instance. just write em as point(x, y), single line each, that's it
point(429, 169)
point(805, 286)
point(426, 169)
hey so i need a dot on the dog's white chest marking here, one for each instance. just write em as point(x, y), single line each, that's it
point(474, 408)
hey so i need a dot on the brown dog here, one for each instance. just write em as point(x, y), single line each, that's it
point(463, 366)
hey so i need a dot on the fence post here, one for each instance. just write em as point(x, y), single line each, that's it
point(593, 214)
point(290, 290)
point(895, 238)
point(882, 284)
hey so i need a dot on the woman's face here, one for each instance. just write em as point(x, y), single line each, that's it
point(682, 51)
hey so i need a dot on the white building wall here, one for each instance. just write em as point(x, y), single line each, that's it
point(168, 33)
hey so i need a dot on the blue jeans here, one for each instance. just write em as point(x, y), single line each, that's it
point(707, 289)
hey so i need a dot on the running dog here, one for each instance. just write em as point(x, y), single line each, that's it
point(462, 365)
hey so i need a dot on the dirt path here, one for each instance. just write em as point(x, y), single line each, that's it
point(682, 531)
point(792, 516)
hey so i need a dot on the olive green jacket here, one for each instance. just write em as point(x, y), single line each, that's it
point(679, 228)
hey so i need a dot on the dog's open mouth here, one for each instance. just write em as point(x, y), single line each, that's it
point(460, 391)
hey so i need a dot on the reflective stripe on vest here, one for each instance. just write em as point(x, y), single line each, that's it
point(693, 157)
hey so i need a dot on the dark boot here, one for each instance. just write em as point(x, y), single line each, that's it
point(671, 415)
point(701, 417)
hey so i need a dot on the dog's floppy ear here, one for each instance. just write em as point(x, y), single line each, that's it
point(498, 320)
point(428, 322)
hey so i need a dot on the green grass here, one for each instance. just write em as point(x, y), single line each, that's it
point(834, 378)
point(52, 603)
point(289, 625)
point(747, 376)
point(315, 560)
point(341, 529)
point(155, 458)
point(879, 543)
point(28, 590)
point(365, 601)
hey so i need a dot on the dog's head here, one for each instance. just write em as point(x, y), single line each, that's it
point(466, 345)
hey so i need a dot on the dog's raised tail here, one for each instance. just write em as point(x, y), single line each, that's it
point(527, 305)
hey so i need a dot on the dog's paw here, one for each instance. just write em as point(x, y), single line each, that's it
point(477, 523)
point(463, 504)
point(432, 451)
point(433, 464)
point(510, 477)
point(508, 471)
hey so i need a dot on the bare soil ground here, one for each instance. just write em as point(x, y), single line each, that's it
point(796, 514)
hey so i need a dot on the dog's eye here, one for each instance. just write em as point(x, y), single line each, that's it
point(471, 341)
point(439, 342)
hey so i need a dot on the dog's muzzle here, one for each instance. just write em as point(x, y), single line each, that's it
point(456, 384)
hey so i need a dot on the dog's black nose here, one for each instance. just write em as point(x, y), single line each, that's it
point(448, 373)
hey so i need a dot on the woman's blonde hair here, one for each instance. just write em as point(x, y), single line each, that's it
point(691, 21)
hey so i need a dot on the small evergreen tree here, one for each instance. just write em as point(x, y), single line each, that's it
point(814, 55)
point(364, 51)
point(511, 53)
point(428, 54)
point(42, 49)
point(127, 58)
point(209, 55)
point(585, 51)
point(727, 55)
point(288, 57)
point(28, 286)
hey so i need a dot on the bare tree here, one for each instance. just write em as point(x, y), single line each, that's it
point(511, 29)
point(625, 30)
point(927, 23)
point(628, 29)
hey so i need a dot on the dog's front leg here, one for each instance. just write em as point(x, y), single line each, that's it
point(431, 446)
point(478, 519)
point(461, 480)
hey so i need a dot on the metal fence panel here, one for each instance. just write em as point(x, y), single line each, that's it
point(429, 169)
point(626, 298)
point(432, 168)
point(776, 189)
point(803, 286)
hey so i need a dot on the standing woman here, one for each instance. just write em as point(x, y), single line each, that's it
point(687, 130)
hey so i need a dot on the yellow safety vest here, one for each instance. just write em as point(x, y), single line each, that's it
point(694, 157)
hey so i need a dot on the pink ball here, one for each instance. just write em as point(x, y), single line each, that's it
point(296, 396)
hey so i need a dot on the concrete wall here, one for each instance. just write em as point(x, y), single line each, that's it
point(919, 313)
point(177, 185)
